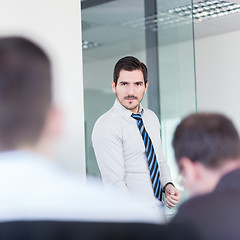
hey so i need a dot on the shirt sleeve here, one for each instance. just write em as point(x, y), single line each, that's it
point(108, 148)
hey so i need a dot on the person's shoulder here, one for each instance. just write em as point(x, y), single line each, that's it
point(107, 125)
point(195, 206)
point(211, 214)
point(107, 119)
point(193, 201)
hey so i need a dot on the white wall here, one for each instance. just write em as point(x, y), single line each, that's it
point(56, 25)
point(218, 74)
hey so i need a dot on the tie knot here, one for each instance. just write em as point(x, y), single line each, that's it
point(137, 116)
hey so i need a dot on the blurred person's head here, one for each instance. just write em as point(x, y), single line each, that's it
point(26, 113)
point(206, 146)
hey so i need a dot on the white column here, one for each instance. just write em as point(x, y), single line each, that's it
point(56, 26)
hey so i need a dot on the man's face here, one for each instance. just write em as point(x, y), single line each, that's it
point(130, 89)
point(197, 178)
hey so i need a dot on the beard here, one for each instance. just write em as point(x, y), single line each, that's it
point(130, 102)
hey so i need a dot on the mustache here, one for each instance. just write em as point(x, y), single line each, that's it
point(130, 97)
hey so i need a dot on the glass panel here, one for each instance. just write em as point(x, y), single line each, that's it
point(177, 73)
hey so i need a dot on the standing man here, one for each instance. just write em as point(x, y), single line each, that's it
point(207, 150)
point(127, 143)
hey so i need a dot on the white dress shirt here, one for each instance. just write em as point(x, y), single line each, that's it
point(120, 151)
point(33, 188)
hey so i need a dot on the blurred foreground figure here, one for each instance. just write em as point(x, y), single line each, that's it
point(31, 186)
point(207, 150)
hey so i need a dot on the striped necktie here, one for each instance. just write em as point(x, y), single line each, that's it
point(151, 158)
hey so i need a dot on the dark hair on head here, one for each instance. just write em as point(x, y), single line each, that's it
point(208, 138)
point(129, 63)
point(25, 91)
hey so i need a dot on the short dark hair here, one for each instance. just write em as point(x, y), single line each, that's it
point(25, 91)
point(209, 138)
point(129, 63)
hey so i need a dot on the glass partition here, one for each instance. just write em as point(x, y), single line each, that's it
point(176, 73)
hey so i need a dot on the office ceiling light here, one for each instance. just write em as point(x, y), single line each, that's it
point(202, 10)
point(163, 19)
point(87, 44)
point(206, 9)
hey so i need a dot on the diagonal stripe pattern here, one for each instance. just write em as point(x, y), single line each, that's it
point(151, 157)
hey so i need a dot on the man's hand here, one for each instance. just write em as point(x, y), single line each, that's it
point(172, 196)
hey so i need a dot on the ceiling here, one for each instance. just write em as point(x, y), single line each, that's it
point(118, 26)
point(218, 25)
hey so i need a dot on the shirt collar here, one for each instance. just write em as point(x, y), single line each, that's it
point(125, 112)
